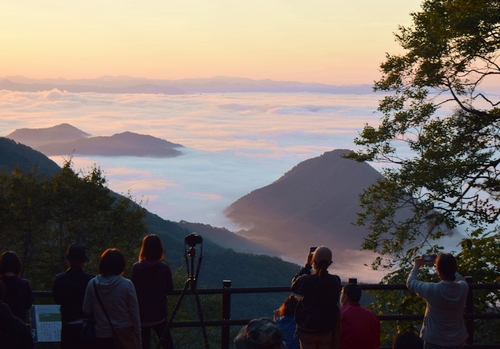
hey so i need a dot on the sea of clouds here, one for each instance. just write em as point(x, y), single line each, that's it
point(235, 142)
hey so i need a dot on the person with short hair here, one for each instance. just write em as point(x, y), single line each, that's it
point(18, 292)
point(153, 281)
point(118, 298)
point(285, 317)
point(261, 333)
point(443, 325)
point(317, 313)
point(407, 340)
point(360, 326)
point(69, 291)
point(14, 333)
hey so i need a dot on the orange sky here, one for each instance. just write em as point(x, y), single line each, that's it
point(327, 41)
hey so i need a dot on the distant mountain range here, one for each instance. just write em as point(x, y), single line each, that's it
point(126, 84)
point(65, 139)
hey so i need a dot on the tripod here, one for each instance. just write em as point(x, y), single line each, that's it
point(192, 283)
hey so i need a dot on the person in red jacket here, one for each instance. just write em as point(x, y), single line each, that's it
point(360, 326)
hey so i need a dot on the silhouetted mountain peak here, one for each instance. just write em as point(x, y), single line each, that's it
point(35, 137)
point(315, 203)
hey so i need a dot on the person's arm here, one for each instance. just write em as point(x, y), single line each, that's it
point(169, 280)
point(412, 281)
point(29, 296)
point(460, 280)
point(57, 292)
point(305, 270)
point(418, 287)
point(133, 306)
point(133, 274)
point(87, 301)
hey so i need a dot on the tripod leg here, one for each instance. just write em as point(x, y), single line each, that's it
point(174, 312)
point(200, 314)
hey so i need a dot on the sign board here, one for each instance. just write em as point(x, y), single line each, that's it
point(46, 323)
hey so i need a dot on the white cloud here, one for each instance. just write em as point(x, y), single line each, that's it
point(235, 143)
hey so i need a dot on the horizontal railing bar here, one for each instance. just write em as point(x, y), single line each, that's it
point(238, 290)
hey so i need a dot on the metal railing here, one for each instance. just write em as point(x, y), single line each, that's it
point(227, 291)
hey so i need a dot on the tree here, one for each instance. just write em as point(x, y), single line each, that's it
point(439, 131)
point(42, 216)
point(439, 138)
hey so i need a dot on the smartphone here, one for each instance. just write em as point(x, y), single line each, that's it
point(312, 249)
point(428, 258)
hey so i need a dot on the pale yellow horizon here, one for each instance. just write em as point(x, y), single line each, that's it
point(332, 42)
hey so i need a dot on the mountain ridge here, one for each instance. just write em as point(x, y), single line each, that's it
point(66, 139)
point(218, 84)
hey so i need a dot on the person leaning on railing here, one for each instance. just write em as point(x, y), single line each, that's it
point(443, 325)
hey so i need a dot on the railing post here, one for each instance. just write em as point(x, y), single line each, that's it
point(226, 314)
point(353, 281)
point(469, 309)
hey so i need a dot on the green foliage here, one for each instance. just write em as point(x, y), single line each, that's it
point(479, 259)
point(439, 136)
point(447, 127)
point(41, 217)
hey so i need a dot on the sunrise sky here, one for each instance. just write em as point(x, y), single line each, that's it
point(327, 41)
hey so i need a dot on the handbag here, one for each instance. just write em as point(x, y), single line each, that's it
point(88, 329)
point(124, 338)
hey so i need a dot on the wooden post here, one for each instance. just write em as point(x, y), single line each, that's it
point(226, 314)
point(469, 309)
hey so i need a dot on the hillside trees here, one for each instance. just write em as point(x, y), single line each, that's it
point(42, 216)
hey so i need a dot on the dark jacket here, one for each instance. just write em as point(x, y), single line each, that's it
point(18, 295)
point(69, 290)
point(13, 332)
point(318, 309)
point(152, 281)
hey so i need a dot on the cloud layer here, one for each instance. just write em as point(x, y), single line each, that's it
point(236, 142)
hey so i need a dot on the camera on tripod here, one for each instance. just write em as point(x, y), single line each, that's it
point(193, 239)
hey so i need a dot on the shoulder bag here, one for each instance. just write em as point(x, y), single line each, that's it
point(124, 338)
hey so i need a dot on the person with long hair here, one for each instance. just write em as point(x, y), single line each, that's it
point(152, 279)
point(317, 314)
point(284, 316)
point(111, 300)
point(18, 292)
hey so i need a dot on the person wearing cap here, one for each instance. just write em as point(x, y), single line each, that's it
point(261, 333)
point(69, 291)
point(317, 314)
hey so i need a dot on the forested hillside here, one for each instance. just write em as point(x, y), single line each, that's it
point(218, 264)
point(14, 154)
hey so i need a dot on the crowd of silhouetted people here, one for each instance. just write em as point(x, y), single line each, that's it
point(107, 310)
